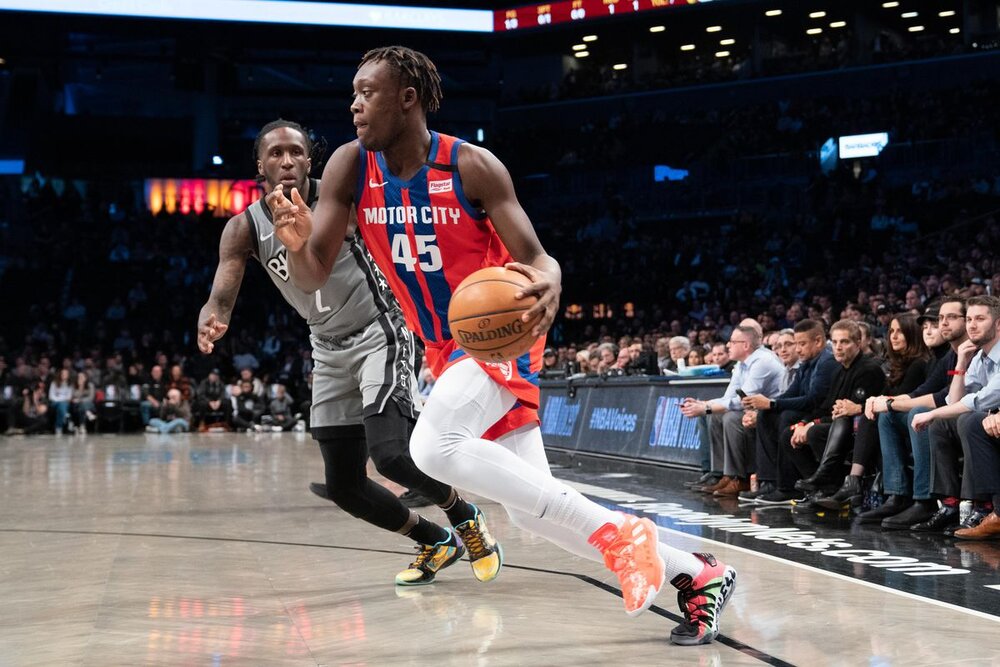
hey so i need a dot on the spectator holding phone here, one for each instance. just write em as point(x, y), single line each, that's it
point(757, 371)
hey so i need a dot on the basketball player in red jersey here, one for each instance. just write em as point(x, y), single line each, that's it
point(432, 209)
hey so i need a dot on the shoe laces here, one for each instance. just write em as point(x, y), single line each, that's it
point(424, 553)
point(696, 613)
point(619, 555)
point(474, 540)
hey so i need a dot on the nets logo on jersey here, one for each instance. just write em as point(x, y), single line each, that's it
point(279, 265)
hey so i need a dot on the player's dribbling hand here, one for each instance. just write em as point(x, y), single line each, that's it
point(210, 331)
point(543, 286)
point(292, 218)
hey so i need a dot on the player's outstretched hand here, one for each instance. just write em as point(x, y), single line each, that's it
point(292, 218)
point(544, 286)
point(209, 331)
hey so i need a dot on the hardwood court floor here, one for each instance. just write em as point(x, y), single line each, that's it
point(210, 550)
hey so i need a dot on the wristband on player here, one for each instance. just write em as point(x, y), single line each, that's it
point(953, 373)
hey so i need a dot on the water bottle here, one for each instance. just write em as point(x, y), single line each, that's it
point(964, 511)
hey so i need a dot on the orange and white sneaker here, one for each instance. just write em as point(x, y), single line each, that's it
point(631, 552)
point(702, 601)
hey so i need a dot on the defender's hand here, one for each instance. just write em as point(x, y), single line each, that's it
point(210, 331)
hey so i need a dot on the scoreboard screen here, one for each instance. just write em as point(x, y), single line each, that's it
point(565, 11)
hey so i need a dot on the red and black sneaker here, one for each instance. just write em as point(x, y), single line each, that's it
point(702, 601)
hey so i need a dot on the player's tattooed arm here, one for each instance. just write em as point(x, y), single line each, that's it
point(234, 249)
point(488, 185)
point(313, 238)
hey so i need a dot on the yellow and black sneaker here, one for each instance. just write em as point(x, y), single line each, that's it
point(430, 559)
point(485, 553)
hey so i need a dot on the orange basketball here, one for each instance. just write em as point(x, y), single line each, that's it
point(485, 318)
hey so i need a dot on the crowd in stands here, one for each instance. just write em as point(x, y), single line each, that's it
point(775, 56)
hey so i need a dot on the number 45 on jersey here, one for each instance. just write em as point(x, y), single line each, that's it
point(428, 255)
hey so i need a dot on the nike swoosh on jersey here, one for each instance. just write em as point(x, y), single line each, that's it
point(264, 238)
point(373, 184)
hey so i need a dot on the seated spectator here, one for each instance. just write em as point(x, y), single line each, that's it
point(34, 414)
point(210, 409)
point(758, 371)
point(60, 396)
point(247, 375)
point(944, 331)
point(246, 407)
point(719, 355)
point(175, 415)
point(696, 357)
point(550, 364)
point(787, 351)
point(426, 382)
point(642, 361)
point(82, 403)
point(975, 388)
point(153, 394)
point(907, 358)
point(679, 346)
point(663, 358)
point(981, 444)
point(279, 410)
point(830, 427)
point(180, 382)
point(776, 475)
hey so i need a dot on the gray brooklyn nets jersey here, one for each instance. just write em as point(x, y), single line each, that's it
point(362, 350)
point(354, 294)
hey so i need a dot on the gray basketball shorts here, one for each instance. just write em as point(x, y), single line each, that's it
point(355, 376)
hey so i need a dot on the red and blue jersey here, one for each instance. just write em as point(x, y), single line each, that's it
point(426, 237)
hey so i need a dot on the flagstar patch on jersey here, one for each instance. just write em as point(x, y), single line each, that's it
point(435, 187)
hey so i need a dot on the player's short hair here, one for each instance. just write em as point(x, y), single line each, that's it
point(413, 69)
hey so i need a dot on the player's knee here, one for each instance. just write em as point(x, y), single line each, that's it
point(427, 451)
point(391, 464)
point(348, 499)
point(520, 519)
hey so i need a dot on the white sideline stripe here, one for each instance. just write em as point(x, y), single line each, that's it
point(614, 496)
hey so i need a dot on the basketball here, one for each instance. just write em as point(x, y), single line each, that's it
point(485, 317)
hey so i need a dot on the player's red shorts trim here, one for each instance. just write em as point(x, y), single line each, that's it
point(520, 377)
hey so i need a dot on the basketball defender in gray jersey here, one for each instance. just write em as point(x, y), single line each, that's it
point(364, 391)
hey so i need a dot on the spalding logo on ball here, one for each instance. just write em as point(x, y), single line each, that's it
point(485, 318)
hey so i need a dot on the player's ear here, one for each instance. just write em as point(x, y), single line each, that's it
point(409, 97)
point(260, 168)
